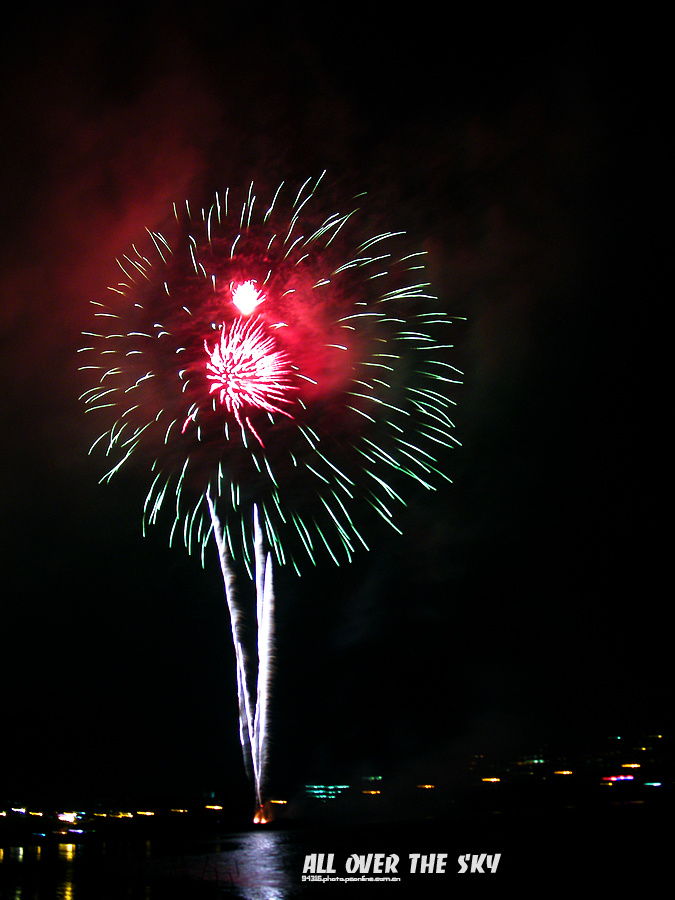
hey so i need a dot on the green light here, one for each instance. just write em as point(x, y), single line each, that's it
point(325, 792)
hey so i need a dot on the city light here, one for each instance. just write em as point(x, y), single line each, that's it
point(325, 791)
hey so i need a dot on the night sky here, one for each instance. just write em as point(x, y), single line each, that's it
point(525, 603)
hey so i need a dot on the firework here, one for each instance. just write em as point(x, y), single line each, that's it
point(277, 373)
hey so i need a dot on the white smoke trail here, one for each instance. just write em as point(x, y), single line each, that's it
point(253, 719)
point(265, 643)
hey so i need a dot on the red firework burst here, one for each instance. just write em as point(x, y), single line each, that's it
point(248, 372)
point(298, 356)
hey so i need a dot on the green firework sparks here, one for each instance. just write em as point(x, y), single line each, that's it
point(366, 383)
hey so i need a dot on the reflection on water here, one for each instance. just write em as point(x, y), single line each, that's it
point(40, 872)
point(265, 861)
point(33, 872)
point(267, 864)
point(256, 865)
point(67, 853)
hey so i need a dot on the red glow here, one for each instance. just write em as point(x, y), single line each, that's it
point(247, 372)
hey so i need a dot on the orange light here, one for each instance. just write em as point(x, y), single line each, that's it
point(260, 818)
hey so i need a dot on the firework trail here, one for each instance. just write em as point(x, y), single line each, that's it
point(277, 372)
point(253, 718)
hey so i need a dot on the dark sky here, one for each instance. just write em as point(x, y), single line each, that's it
point(525, 602)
